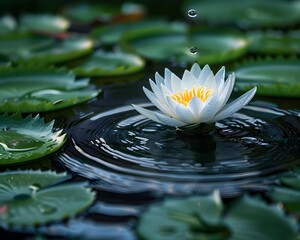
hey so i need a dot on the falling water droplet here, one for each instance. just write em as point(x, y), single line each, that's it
point(192, 13)
point(193, 50)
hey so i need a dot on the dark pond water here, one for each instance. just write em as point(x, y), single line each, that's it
point(131, 161)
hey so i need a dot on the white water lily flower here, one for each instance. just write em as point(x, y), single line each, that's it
point(200, 97)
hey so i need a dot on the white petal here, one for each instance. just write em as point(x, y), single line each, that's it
point(227, 90)
point(220, 75)
point(159, 79)
point(210, 82)
point(165, 91)
point(156, 90)
point(196, 105)
point(203, 75)
point(210, 108)
point(157, 103)
point(234, 106)
point(188, 80)
point(195, 70)
point(168, 75)
point(147, 113)
point(175, 82)
point(169, 120)
point(183, 113)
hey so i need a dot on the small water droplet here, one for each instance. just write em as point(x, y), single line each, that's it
point(193, 50)
point(192, 13)
point(46, 209)
point(34, 187)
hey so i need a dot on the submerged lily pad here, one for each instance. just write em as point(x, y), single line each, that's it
point(247, 13)
point(27, 47)
point(275, 42)
point(201, 217)
point(44, 23)
point(32, 197)
point(111, 34)
point(89, 13)
point(30, 89)
point(110, 64)
point(289, 192)
point(22, 140)
point(278, 77)
point(212, 46)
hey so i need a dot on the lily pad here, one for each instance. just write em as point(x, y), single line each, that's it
point(43, 23)
point(23, 140)
point(32, 89)
point(275, 42)
point(111, 34)
point(7, 24)
point(213, 46)
point(201, 217)
point(26, 47)
point(34, 197)
point(247, 13)
point(102, 64)
point(277, 77)
point(289, 192)
point(88, 13)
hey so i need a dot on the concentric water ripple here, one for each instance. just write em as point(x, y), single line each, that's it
point(126, 153)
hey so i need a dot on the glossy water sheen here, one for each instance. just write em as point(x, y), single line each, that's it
point(126, 153)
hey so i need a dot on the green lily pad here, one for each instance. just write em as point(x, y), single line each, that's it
point(247, 13)
point(32, 89)
point(202, 217)
point(44, 23)
point(289, 192)
point(7, 24)
point(102, 64)
point(213, 46)
point(275, 42)
point(26, 47)
point(87, 13)
point(31, 197)
point(23, 140)
point(277, 77)
point(111, 34)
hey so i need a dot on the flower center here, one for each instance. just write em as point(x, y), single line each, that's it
point(185, 96)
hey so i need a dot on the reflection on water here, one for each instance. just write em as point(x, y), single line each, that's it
point(124, 152)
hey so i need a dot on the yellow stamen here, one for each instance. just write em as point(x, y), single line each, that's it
point(185, 96)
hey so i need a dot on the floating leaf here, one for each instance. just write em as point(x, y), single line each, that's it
point(30, 89)
point(44, 23)
point(181, 219)
point(213, 46)
point(110, 64)
point(289, 191)
point(32, 197)
point(275, 42)
point(26, 47)
point(278, 77)
point(250, 218)
point(87, 13)
point(112, 33)
point(7, 24)
point(201, 217)
point(22, 140)
point(247, 13)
